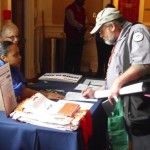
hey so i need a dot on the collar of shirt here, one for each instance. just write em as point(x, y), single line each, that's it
point(125, 30)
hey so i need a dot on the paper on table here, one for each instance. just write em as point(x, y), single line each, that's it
point(54, 121)
point(39, 103)
point(36, 111)
point(94, 87)
point(85, 86)
point(42, 106)
point(64, 77)
point(81, 87)
point(94, 82)
point(75, 96)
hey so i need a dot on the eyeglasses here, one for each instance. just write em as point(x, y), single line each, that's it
point(13, 37)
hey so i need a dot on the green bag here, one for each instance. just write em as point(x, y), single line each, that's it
point(117, 130)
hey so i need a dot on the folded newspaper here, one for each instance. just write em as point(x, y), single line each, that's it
point(39, 110)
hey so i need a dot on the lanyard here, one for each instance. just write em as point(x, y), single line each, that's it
point(110, 59)
point(112, 52)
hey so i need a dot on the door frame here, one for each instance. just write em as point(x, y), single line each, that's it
point(29, 36)
point(26, 30)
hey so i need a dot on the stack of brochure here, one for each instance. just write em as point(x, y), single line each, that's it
point(64, 77)
point(39, 110)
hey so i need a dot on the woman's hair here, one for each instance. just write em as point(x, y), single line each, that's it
point(10, 26)
point(4, 47)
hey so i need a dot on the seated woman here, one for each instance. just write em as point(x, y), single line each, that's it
point(9, 53)
point(10, 32)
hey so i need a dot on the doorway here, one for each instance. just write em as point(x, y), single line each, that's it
point(17, 7)
point(129, 9)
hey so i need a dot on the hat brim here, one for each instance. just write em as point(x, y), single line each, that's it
point(111, 14)
point(95, 29)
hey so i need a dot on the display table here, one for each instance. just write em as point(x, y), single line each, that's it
point(21, 136)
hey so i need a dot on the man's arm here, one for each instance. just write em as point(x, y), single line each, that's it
point(131, 74)
point(71, 19)
point(30, 92)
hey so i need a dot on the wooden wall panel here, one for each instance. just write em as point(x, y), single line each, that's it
point(146, 17)
point(58, 9)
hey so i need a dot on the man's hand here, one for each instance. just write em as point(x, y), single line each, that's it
point(88, 93)
point(114, 91)
point(54, 95)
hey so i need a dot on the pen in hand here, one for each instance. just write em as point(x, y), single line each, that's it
point(89, 83)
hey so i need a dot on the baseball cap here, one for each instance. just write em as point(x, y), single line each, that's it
point(104, 16)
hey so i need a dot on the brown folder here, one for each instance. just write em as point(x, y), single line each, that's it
point(69, 109)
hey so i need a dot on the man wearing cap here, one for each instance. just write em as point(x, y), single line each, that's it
point(103, 52)
point(129, 60)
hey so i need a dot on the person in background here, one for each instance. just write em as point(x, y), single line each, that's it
point(9, 53)
point(129, 60)
point(103, 53)
point(75, 24)
point(10, 32)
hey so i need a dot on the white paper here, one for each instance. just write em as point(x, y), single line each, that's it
point(94, 82)
point(8, 98)
point(38, 110)
point(102, 93)
point(94, 87)
point(2, 108)
point(41, 105)
point(130, 89)
point(81, 87)
point(75, 96)
point(134, 88)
